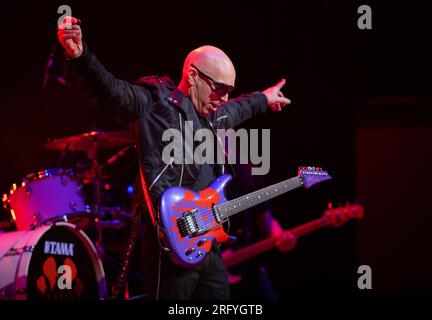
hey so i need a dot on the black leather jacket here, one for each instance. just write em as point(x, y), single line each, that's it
point(155, 104)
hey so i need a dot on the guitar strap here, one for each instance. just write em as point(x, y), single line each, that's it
point(147, 198)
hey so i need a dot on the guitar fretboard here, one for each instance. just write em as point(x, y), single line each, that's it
point(252, 199)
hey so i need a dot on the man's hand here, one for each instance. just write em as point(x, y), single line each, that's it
point(275, 97)
point(70, 37)
point(285, 241)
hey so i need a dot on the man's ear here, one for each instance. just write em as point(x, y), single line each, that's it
point(192, 76)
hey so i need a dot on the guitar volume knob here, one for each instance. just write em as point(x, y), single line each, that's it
point(202, 241)
point(189, 251)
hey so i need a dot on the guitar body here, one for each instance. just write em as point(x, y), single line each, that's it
point(189, 250)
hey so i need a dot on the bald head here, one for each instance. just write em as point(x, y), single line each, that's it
point(213, 62)
point(206, 70)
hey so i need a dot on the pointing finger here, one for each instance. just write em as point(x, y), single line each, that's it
point(280, 84)
point(283, 100)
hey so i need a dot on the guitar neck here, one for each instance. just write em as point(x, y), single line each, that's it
point(234, 206)
point(310, 227)
point(262, 246)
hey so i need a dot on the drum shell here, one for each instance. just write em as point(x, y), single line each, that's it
point(44, 199)
point(17, 251)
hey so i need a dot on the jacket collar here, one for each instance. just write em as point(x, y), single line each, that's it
point(177, 98)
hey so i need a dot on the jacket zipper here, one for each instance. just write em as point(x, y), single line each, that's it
point(172, 160)
point(181, 135)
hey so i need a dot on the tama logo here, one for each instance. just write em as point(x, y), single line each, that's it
point(59, 248)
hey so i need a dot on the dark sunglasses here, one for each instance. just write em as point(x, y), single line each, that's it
point(220, 89)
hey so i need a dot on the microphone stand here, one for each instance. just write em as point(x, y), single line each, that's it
point(97, 173)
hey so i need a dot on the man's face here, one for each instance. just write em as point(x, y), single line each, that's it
point(210, 94)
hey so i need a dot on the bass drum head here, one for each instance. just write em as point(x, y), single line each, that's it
point(58, 262)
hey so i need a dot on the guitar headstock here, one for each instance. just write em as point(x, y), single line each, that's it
point(339, 216)
point(312, 175)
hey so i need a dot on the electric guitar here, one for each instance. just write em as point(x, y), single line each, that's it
point(193, 221)
point(332, 217)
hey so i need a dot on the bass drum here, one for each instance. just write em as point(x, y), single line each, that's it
point(52, 262)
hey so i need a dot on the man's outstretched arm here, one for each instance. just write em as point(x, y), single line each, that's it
point(83, 67)
point(235, 111)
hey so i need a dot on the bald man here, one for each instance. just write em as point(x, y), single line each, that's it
point(156, 104)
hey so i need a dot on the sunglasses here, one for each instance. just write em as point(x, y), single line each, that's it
point(218, 88)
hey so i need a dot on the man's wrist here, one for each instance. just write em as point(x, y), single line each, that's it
point(72, 56)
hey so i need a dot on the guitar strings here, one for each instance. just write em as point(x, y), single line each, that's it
point(292, 182)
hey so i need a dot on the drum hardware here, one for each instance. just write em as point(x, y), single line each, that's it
point(64, 180)
point(73, 205)
point(91, 143)
point(28, 190)
point(36, 220)
point(110, 224)
point(19, 251)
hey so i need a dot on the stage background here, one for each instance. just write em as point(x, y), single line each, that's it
point(361, 108)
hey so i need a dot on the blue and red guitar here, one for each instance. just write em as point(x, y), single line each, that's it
point(192, 221)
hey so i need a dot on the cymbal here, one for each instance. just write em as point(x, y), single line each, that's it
point(91, 140)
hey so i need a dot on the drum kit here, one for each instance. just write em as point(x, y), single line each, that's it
point(50, 253)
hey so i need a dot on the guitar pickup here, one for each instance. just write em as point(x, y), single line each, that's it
point(217, 215)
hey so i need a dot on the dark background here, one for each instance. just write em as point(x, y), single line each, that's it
point(361, 108)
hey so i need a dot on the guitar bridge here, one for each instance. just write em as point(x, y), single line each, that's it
point(188, 224)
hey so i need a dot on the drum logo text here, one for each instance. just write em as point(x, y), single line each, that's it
point(59, 248)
